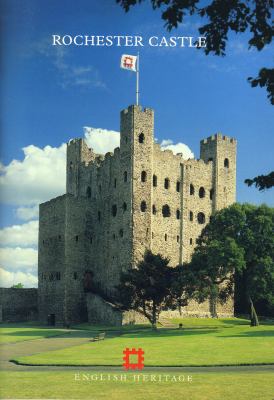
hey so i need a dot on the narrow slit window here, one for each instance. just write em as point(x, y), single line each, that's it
point(141, 138)
point(143, 206)
point(166, 184)
point(143, 176)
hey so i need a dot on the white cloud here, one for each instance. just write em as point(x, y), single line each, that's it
point(20, 235)
point(27, 213)
point(19, 259)
point(101, 140)
point(177, 148)
point(37, 178)
point(9, 279)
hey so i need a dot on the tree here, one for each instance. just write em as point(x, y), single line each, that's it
point(18, 286)
point(147, 288)
point(262, 182)
point(239, 241)
point(223, 17)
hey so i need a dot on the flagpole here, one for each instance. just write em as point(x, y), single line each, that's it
point(137, 80)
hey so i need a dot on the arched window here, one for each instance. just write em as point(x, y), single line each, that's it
point(178, 186)
point(178, 238)
point(114, 210)
point(190, 241)
point(201, 192)
point(166, 211)
point(190, 216)
point(201, 218)
point(141, 138)
point(143, 176)
point(124, 207)
point(115, 182)
point(191, 189)
point(210, 159)
point(121, 232)
point(226, 163)
point(166, 183)
point(70, 165)
point(143, 206)
point(211, 193)
point(88, 192)
point(154, 180)
point(178, 214)
point(125, 176)
point(154, 211)
point(99, 215)
point(165, 237)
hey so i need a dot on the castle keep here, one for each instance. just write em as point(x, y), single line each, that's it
point(119, 204)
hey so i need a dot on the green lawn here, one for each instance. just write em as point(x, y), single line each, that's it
point(204, 386)
point(201, 342)
point(17, 332)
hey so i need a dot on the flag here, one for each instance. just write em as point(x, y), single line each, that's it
point(129, 62)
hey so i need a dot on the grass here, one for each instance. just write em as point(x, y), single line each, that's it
point(201, 342)
point(17, 332)
point(204, 386)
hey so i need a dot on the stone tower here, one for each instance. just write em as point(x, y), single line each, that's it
point(118, 205)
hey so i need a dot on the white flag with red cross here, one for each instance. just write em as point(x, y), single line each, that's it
point(129, 62)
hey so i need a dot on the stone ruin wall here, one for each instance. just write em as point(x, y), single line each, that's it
point(18, 305)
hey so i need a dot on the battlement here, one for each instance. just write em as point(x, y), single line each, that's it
point(132, 108)
point(218, 137)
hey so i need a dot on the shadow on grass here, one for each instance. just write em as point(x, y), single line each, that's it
point(164, 332)
point(38, 332)
point(252, 333)
point(235, 322)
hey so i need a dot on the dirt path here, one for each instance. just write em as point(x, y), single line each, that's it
point(30, 347)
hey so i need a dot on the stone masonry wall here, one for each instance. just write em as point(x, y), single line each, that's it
point(18, 304)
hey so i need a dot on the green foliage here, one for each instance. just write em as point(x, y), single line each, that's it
point(262, 182)
point(18, 286)
point(239, 241)
point(223, 17)
point(147, 288)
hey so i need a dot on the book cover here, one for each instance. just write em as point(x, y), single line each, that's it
point(136, 200)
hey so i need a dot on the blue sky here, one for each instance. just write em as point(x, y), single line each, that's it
point(50, 93)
